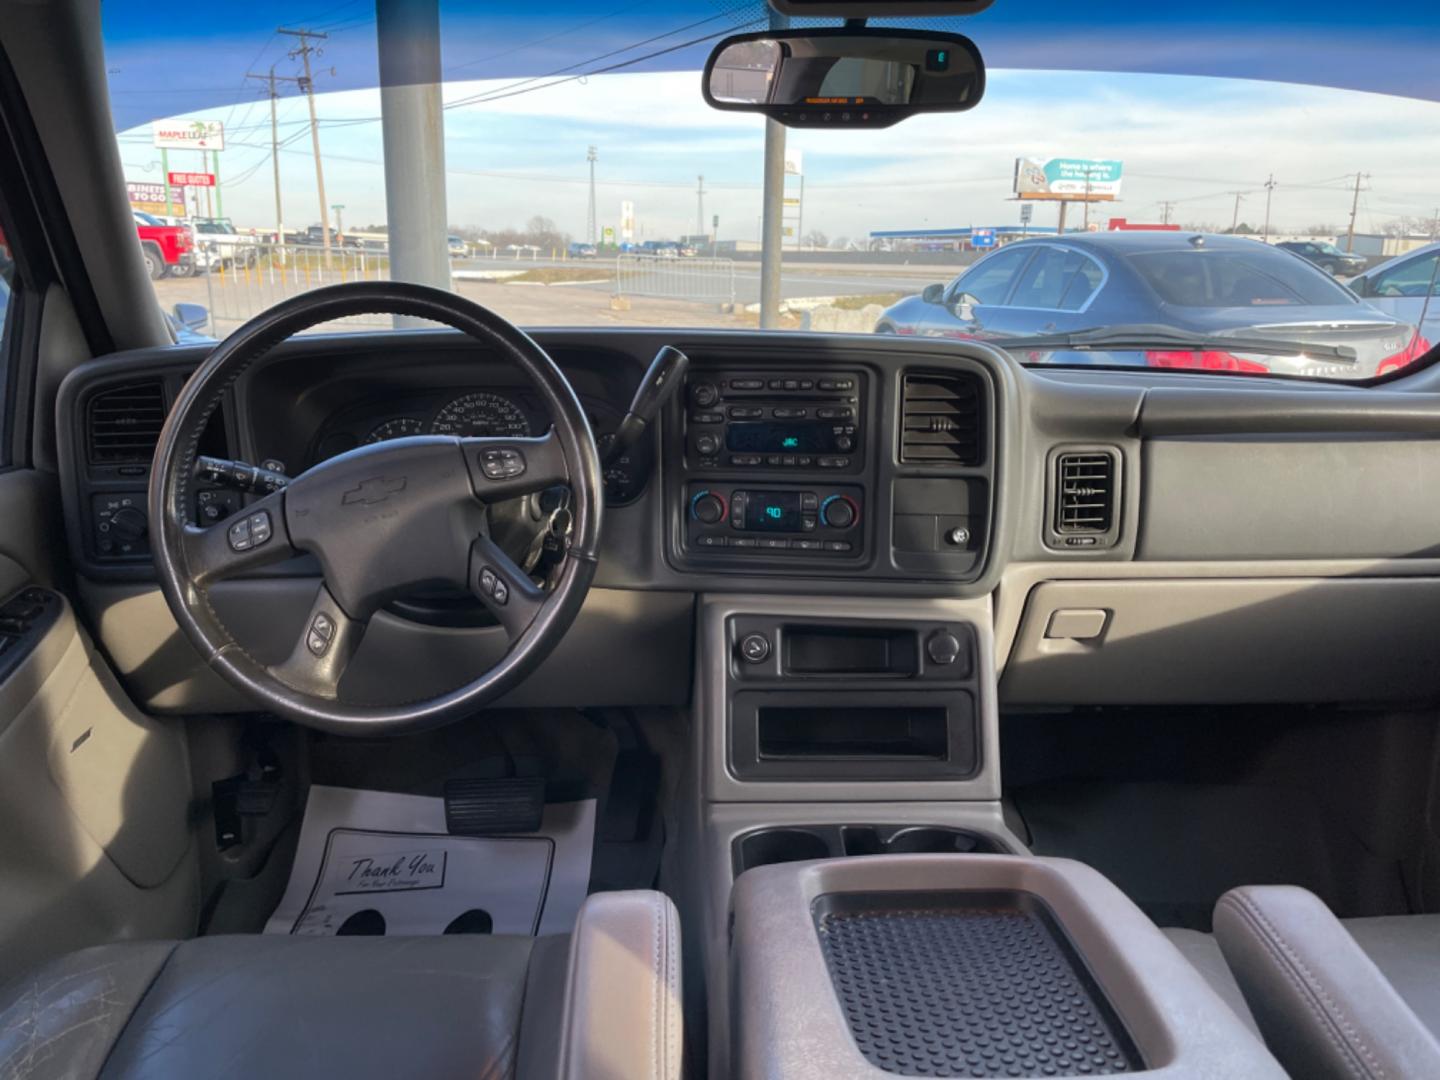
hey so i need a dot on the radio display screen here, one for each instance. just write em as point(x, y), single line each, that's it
point(772, 511)
point(777, 437)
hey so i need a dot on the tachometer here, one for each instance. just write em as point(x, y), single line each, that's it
point(481, 413)
point(397, 428)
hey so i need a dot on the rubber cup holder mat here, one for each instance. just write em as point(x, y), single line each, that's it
point(981, 984)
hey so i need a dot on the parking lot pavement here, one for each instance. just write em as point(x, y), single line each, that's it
point(524, 305)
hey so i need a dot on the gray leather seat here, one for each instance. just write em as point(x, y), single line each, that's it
point(603, 1003)
point(1358, 998)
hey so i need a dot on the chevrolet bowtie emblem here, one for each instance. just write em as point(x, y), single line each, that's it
point(375, 490)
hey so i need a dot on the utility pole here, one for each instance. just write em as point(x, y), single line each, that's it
point(1165, 208)
point(590, 156)
point(1235, 221)
point(307, 83)
point(270, 81)
point(1270, 186)
point(1354, 209)
point(1435, 225)
point(700, 206)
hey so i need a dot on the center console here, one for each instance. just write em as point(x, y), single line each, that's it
point(981, 966)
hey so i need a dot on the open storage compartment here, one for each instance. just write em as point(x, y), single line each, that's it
point(910, 735)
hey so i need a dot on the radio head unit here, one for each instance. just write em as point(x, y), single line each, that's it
point(797, 421)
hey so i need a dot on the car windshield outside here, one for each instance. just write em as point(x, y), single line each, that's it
point(1113, 200)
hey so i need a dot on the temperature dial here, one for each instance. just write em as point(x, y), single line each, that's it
point(839, 512)
point(708, 508)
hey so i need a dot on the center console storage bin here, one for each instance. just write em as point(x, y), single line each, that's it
point(975, 966)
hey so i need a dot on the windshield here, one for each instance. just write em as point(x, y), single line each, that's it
point(586, 183)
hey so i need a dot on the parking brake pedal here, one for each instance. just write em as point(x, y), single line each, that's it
point(494, 807)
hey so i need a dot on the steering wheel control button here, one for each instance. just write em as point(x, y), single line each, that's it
point(942, 647)
point(239, 535)
point(321, 634)
point(259, 527)
point(501, 463)
point(755, 648)
point(493, 586)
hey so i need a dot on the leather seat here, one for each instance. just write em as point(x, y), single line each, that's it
point(603, 1004)
point(1358, 998)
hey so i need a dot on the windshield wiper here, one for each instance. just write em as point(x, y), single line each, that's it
point(1141, 336)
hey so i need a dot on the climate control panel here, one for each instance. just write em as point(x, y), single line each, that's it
point(771, 519)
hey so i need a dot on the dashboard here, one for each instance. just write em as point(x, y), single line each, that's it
point(1139, 536)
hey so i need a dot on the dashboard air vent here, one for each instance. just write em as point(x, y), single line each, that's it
point(940, 418)
point(124, 423)
point(1085, 483)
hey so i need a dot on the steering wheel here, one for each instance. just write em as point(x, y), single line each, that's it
point(382, 520)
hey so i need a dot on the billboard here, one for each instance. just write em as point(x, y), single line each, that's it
point(794, 162)
point(1067, 178)
point(151, 199)
point(192, 179)
point(188, 135)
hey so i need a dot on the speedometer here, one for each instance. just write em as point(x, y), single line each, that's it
point(481, 413)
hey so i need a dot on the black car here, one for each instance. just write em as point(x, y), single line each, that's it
point(1231, 294)
point(1326, 256)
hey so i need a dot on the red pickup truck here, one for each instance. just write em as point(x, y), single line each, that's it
point(168, 249)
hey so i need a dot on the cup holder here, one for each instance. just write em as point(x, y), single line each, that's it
point(797, 843)
point(935, 841)
point(770, 846)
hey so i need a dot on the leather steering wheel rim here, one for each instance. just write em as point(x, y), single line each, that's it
point(393, 509)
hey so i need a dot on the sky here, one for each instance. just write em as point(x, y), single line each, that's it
point(1188, 138)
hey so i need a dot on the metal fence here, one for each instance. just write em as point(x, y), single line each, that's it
point(674, 278)
point(245, 288)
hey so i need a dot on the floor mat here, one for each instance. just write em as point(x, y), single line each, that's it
point(1175, 848)
point(376, 862)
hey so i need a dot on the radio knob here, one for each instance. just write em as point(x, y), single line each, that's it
point(708, 509)
point(838, 512)
point(844, 444)
point(704, 394)
point(707, 444)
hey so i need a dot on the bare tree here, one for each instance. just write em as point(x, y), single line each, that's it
point(815, 239)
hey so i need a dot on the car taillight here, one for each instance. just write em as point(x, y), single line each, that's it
point(1209, 360)
point(1417, 348)
point(182, 241)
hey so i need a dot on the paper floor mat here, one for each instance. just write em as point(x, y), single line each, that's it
point(377, 862)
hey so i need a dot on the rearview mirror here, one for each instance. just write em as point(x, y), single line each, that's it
point(844, 77)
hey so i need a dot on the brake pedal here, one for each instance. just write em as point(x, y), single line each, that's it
point(494, 807)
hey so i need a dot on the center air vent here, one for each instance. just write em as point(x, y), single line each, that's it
point(124, 423)
point(1086, 485)
point(940, 418)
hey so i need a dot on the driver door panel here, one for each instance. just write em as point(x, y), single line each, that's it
point(94, 794)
